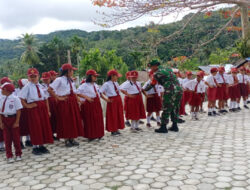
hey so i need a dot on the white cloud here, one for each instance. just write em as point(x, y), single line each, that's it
point(44, 16)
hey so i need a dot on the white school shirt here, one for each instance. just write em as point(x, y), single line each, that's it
point(109, 89)
point(130, 87)
point(180, 80)
point(192, 84)
point(210, 80)
point(30, 94)
point(45, 89)
point(219, 78)
point(154, 90)
point(61, 86)
point(12, 104)
point(87, 89)
point(240, 78)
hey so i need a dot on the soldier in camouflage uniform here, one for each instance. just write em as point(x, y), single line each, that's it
point(171, 99)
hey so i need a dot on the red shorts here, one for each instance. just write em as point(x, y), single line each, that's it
point(212, 94)
point(222, 92)
point(195, 99)
point(243, 89)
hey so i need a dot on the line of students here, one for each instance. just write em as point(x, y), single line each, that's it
point(218, 86)
point(57, 107)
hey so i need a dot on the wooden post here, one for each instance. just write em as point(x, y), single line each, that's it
point(245, 22)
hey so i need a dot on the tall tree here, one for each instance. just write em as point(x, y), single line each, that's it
point(30, 55)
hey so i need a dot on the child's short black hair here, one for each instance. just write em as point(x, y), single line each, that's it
point(109, 78)
point(89, 78)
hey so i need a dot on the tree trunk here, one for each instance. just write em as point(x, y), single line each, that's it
point(245, 22)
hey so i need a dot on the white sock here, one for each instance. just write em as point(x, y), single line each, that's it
point(209, 110)
point(133, 124)
point(137, 124)
point(35, 146)
point(234, 104)
point(231, 105)
point(148, 119)
point(238, 105)
point(214, 109)
point(158, 118)
point(245, 102)
point(1, 144)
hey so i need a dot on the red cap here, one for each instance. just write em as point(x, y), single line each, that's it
point(4, 80)
point(221, 69)
point(234, 70)
point(114, 72)
point(83, 81)
point(200, 74)
point(46, 75)
point(127, 74)
point(22, 82)
point(248, 70)
point(242, 68)
point(9, 87)
point(203, 73)
point(32, 71)
point(213, 70)
point(53, 73)
point(92, 72)
point(134, 74)
point(189, 73)
point(68, 66)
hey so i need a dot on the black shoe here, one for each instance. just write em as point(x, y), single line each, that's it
point(221, 111)
point(159, 124)
point(36, 151)
point(245, 106)
point(22, 146)
point(127, 123)
point(210, 114)
point(234, 110)
point(149, 125)
point(225, 111)
point(44, 150)
point(231, 110)
point(181, 121)
point(138, 129)
point(68, 143)
point(118, 132)
point(153, 119)
point(174, 128)
point(90, 140)
point(114, 133)
point(73, 142)
point(141, 122)
point(238, 108)
point(2, 149)
point(215, 113)
point(248, 102)
point(28, 143)
point(162, 129)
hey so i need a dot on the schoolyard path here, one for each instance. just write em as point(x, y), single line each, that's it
point(212, 153)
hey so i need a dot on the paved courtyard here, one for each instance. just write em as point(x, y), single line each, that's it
point(212, 153)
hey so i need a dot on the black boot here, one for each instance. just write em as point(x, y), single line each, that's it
point(174, 127)
point(162, 129)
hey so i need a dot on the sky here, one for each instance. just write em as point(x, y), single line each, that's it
point(44, 16)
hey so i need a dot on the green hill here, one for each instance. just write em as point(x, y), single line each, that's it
point(199, 30)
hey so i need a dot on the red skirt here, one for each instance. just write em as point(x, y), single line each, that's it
point(154, 103)
point(135, 108)
point(234, 92)
point(69, 124)
point(195, 99)
point(39, 124)
point(222, 92)
point(92, 116)
point(125, 102)
point(203, 95)
point(114, 114)
point(23, 124)
point(243, 89)
point(212, 94)
point(53, 111)
point(1, 135)
point(186, 96)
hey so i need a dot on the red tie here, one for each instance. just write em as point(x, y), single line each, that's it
point(4, 104)
point(223, 79)
point(116, 90)
point(95, 91)
point(243, 79)
point(195, 89)
point(137, 87)
point(38, 91)
point(215, 81)
point(71, 88)
point(155, 89)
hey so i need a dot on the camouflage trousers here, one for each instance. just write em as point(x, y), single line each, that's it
point(171, 107)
